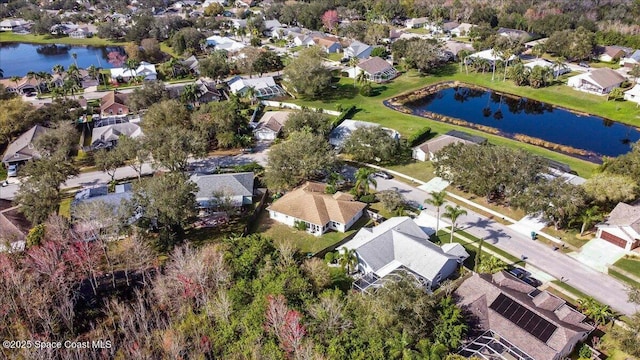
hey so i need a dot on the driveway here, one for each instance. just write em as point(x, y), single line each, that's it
point(601, 286)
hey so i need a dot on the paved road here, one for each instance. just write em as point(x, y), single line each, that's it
point(601, 286)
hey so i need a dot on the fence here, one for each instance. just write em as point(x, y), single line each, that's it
point(284, 105)
point(253, 218)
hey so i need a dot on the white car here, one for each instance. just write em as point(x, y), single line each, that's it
point(12, 170)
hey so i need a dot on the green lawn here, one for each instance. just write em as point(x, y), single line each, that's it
point(623, 278)
point(629, 265)
point(372, 108)
point(302, 240)
point(421, 170)
point(49, 39)
point(334, 56)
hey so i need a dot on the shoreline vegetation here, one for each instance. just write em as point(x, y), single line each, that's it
point(49, 39)
point(399, 102)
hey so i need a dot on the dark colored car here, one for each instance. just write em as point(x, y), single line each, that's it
point(520, 273)
point(532, 281)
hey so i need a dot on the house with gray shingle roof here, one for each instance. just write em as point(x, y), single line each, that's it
point(237, 188)
point(358, 50)
point(375, 69)
point(598, 81)
point(23, 149)
point(622, 227)
point(401, 245)
point(631, 60)
point(514, 320)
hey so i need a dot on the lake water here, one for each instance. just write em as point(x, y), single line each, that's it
point(513, 115)
point(17, 59)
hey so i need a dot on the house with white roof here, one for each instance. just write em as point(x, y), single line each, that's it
point(399, 245)
point(375, 69)
point(557, 71)
point(108, 136)
point(416, 23)
point(145, 69)
point(224, 43)
point(302, 40)
point(598, 81)
point(633, 94)
point(490, 56)
point(270, 125)
point(264, 87)
point(622, 227)
point(358, 50)
point(11, 24)
point(427, 151)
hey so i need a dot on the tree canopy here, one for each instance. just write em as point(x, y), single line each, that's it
point(371, 143)
point(306, 73)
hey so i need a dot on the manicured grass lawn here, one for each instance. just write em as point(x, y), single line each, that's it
point(515, 214)
point(569, 236)
point(372, 109)
point(629, 265)
point(624, 278)
point(334, 56)
point(421, 170)
point(381, 210)
point(302, 240)
point(48, 39)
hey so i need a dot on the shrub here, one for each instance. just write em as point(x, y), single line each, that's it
point(35, 235)
point(369, 198)
point(419, 136)
point(256, 41)
point(330, 257)
point(585, 352)
point(390, 199)
point(366, 90)
point(345, 114)
point(330, 189)
point(300, 225)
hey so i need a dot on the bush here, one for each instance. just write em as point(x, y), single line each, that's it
point(330, 189)
point(366, 90)
point(391, 199)
point(300, 225)
point(369, 198)
point(330, 257)
point(256, 42)
point(420, 136)
point(35, 235)
point(345, 114)
point(585, 352)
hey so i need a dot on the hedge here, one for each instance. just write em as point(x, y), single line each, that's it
point(348, 112)
point(418, 137)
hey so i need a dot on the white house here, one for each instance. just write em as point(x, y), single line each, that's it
point(224, 43)
point(557, 70)
point(302, 40)
point(270, 125)
point(108, 136)
point(309, 204)
point(81, 33)
point(264, 87)
point(11, 24)
point(145, 69)
point(416, 23)
point(462, 29)
point(375, 69)
point(341, 133)
point(358, 50)
point(631, 60)
point(427, 151)
point(598, 81)
point(400, 245)
point(622, 227)
point(633, 94)
point(490, 56)
point(237, 188)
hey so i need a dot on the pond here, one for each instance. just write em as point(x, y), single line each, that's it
point(17, 59)
point(514, 115)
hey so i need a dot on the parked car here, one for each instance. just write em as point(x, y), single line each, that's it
point(583, 64)
point(247, 150)
point(532, 281)
point(12, 170)
point(520, 273)
point(383, 175)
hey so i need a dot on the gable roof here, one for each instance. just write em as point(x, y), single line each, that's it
point(399, 242)
point(114, 131)
point(358, 48)
point(113, 97)
point(625, 215)
point(236, 184)
point(374, 65)
point(605, 77)
point(482, 294)
point(273, 120)
point(438, 143)
point(326, 42)
point(614, 50)
point(310, 203)
point(22, 148)
point(635, 56)
point(238, 83)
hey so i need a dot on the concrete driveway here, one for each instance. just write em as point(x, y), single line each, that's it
point(602, 287)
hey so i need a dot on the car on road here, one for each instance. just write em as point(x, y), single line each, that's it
point(583, 64)
point(532, 281)
point(247, 151)
point(383, 175)
point(520, 273)
point(12, 170)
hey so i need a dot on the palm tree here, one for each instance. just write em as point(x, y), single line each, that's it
point(490, 264)
point(462, 55)
point(73, 72)
point(520, 74)
point(599, 313)
point(16, 79)
point(431, 351)
point(538, 50)
point(45, 77)
point(539, 76)
point(58, 69)
point(348, 259)
point(559, 64)
point(364, 178)
point(635, 72)
point(251, 93)
point(361, 78)
point(132, 65)
point(353, 62)
point(93, 71)
point(437, 200)
point(588, 217)
point(453, 213)
point(70, 86)
point(190, 93)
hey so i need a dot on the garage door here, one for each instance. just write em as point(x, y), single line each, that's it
point(613, 239)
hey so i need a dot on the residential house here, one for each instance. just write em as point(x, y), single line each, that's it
point(14, 227)
point(319, 211)
point(191, 64)
point(96, 200)
point(108, 136)
point(236, 189)
point(633, 94)
point(462, 29)
point(598, 81)
point(12, 24)
point(224, 43)
point(24, 85)
point(245, 3)
point(329, 44)
point(114, 103)
point(514, 34)
point(207, 92)
point(145, 70)
point(631, 60)
point(428, 150)
point(491, 56)
point(285, 32)
point(398, 246)
point(302, 40)
point(263, 87)
point(622, 227)
point(533, 43)
point(557, 70)
point(514, 320)
point(441, 28)
point(270, 26)
point(416, 23)
point(358, 50)
point(270, 125)
point(209, 2)
point(612, 53)
point(81, 33)
point(22, 149)
point(375, 69)
point(453, 48)
point(341, 133)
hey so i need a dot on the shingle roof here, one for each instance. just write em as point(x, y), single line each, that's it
point(399, 242)
point(374, 65)
point(22, 148)
point(436, 144)
point(114, 131)
point(113, 97)
point(606, 77)
point(310, 203)
point(237, 184)
point(625, 215)
point(477, 292)
point(273, 120)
